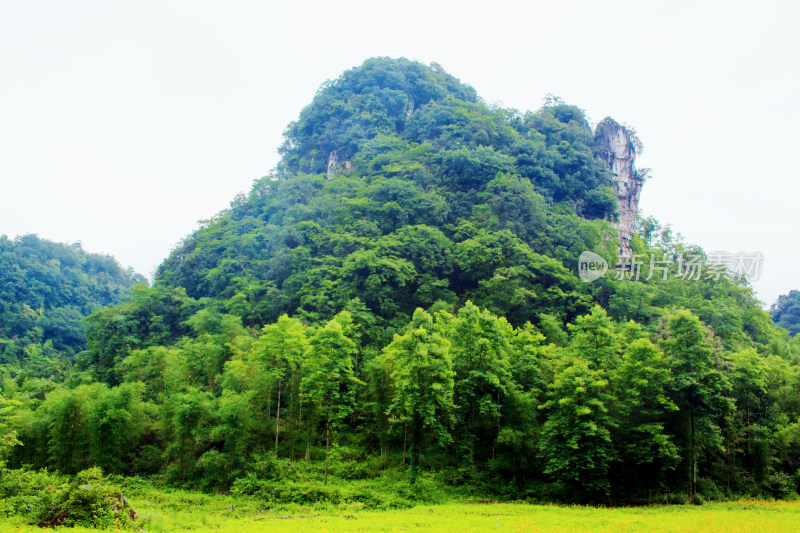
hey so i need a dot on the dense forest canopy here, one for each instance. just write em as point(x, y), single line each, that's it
point(786, 311)
point(46, 290)
point(401, 298)
point(431, 180)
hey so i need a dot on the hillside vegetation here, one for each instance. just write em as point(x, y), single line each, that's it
point(46, 290)
point(396, 312)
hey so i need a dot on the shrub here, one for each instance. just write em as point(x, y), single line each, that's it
point(709, 490)
point(314, 493)
point(779, 485)
point(46, 499)
point(672, 498)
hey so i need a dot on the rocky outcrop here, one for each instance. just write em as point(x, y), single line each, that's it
point(335, 166)
point(616, 146)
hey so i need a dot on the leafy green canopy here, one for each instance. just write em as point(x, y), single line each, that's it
point(377, 98)
point(46, 289)
point(786, 311)
point(436, 197)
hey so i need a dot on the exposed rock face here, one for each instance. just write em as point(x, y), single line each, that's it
point(615, 146)
point(335, 166)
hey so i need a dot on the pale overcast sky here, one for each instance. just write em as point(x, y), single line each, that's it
point(124, 123)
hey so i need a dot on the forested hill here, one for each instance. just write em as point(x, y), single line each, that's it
point(421, 195)
point(418, 193)
point(46, 290)
point(786, 311)
point(400, 302)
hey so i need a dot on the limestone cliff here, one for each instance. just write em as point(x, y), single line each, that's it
point(336, 166)
point(615, 145)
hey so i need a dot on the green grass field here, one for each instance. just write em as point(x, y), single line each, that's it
point(198, 513)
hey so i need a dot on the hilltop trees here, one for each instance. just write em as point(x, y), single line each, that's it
point(46, 289)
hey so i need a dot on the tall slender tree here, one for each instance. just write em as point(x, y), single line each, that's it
point(699, 387)
point(281, 347)
point(576, 438)
point(329, 384)
point(422, 376)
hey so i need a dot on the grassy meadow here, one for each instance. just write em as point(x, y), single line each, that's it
point(195, 512)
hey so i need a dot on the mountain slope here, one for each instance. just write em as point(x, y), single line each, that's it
point(417, 175)
point(46, 289)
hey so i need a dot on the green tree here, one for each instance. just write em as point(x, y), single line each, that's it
point(329, 382)
point(8, 438)
point(281, 348)
point(186, 416)
point(594, 338)
point(116, 423)
point(68, 430)
point(422, 378)
point(481, 345)
point(516, 204)
point(576, 437)
point(699, 388)
point(641, 384)
point(749, 381)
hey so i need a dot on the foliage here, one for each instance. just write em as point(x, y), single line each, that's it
point(164, 510)
point(46, 289)
point(421, 372)
point(396, 315)
point(577, 439)
point(786, 311)
point(87, 499)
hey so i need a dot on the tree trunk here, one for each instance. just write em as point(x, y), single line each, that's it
point(747, 423)
point(416, 437)
point(693, 470)
point(327, 442)
point(278, 418)
point(308, 439)
point(405, 438)
point(269, 409)
point(297, 423)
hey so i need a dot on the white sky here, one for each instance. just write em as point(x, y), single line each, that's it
point(124, 123)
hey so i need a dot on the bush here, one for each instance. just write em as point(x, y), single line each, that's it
point(33, 495)
point(709, 490)
point(779, 485)
point(286, 492)
point(46, 499)
point(355, 469)
point(314, 493)
point(672, 498)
